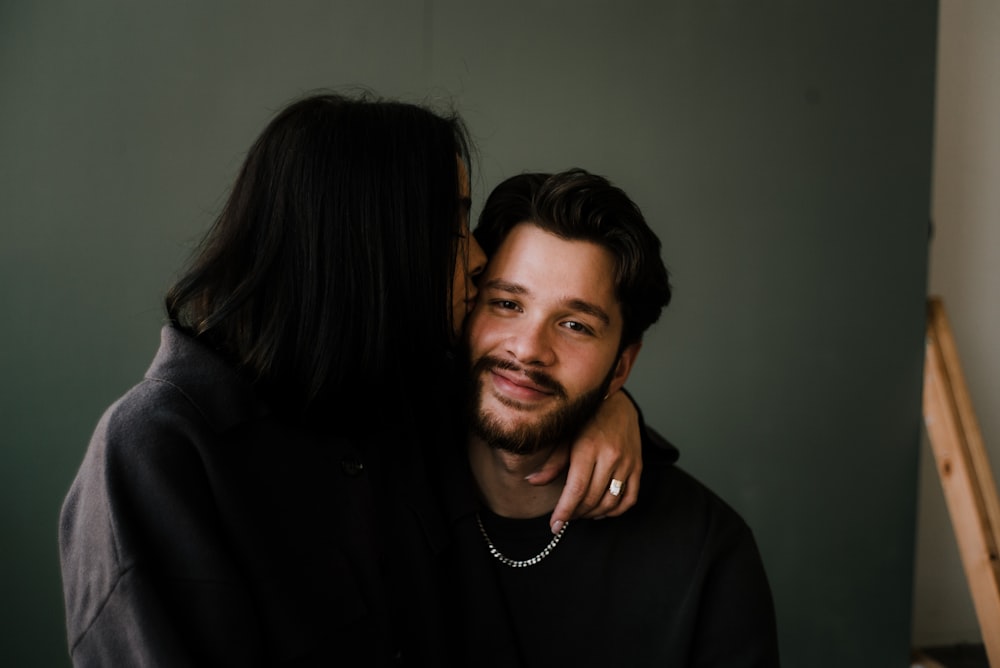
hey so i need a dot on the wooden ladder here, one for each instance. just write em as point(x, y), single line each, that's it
point(969, 488)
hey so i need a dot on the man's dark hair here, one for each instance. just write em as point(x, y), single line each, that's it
point(578, 205)
point(327, 276)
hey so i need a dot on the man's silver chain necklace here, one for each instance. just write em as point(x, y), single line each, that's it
point(514, 563)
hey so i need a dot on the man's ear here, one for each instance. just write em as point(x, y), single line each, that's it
point(623, 367)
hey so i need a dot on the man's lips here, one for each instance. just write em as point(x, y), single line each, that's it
point(511, 381)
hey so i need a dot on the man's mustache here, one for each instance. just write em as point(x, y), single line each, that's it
point(539, 378)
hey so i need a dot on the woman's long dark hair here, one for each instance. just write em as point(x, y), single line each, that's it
point(326, 279)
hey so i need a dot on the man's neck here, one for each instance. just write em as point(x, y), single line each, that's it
point(502, 480)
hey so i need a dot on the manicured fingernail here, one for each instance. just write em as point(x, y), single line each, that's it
point(556, 526)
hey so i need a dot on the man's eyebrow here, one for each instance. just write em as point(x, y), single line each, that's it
point(590, 309)
point(506, 286)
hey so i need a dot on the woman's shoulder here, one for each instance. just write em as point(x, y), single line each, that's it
point(188, 385)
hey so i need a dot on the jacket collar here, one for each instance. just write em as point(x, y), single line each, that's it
point(197, 371)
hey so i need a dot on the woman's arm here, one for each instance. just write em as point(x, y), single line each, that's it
point(609, 447)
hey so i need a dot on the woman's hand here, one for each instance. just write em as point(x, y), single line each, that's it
point(608, 448)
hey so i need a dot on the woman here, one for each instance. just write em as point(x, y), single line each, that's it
point(269, 493)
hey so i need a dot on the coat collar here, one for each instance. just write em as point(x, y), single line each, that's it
point(197, 371)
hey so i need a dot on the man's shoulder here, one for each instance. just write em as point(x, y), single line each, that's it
point(670, 492)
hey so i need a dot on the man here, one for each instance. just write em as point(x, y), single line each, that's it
point(574, 280)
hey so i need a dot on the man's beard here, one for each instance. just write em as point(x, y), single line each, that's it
point(554, 427)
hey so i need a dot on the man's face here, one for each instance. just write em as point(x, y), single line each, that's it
point(543, 340)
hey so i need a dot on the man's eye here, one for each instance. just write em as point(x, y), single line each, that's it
point(505, 304)
point(577, 327)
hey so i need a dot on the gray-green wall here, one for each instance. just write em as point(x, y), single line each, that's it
point(781, 149)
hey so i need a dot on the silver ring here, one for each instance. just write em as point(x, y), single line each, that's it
point(615, 488)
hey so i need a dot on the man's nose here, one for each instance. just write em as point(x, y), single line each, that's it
point(530, 343)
